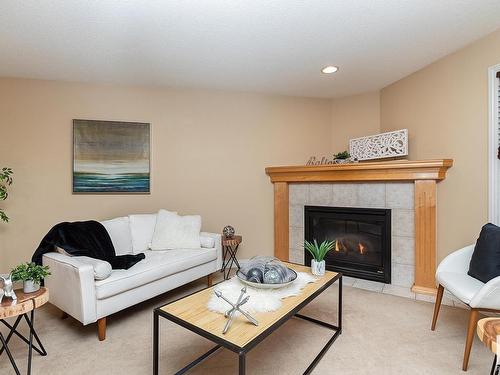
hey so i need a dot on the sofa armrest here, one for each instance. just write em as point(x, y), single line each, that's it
point(218, 246)
point(72, 286)
point(457, 262)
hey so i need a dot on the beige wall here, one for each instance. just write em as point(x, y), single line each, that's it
point(209, 152)
point(354, 116)
point(210, 148)
point(445, 108)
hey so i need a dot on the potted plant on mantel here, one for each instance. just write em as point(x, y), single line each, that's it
point(342, 157)
point(31, 275)
point(318, 253)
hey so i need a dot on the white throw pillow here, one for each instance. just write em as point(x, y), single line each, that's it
point(102, 269)
point(207, 242)
point(119, 231)
point(142, 227)
point(176, 232)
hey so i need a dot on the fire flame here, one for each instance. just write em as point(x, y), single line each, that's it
point(361, 248)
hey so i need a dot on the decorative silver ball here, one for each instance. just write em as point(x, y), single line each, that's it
point(228, 231)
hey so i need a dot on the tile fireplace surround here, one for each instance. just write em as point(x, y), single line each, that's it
point(408, 188)
point(393, 195)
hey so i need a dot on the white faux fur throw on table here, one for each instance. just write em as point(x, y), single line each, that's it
point(261, 300)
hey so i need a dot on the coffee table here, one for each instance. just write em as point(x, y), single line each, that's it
point(191, 313)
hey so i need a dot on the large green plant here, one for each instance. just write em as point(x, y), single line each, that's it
point(30, 271)
point(319, 252)
point(5, 180)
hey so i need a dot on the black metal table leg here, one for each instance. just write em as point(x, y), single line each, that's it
point(337, 329)
point(494, 367)
point(156, 338)
point(4, 343)
point(229, 258)
point(339, 308)
point(42, 350)
point(198, 360)
point(30, 350)
point(224, 254)
point(233, 255)
point(241, 363)
point(13, 331)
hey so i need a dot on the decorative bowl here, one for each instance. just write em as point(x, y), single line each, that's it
point(243, 279)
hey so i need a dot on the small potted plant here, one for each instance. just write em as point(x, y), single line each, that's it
point(318, 253)
point(342, 157)
point(31, 275)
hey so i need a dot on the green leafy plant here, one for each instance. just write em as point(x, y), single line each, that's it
point(30, 271)
point(342, 155)
point(5, 180)
point(319, 252)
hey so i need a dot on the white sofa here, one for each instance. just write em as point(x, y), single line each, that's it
point(75, 289)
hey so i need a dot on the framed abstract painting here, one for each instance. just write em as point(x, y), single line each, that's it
point(111, 157)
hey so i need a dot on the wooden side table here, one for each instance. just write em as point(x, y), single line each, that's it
point(229, 249)
point(488, 329)
point(26, 303)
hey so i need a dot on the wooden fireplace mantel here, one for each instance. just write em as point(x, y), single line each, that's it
point(424, 173)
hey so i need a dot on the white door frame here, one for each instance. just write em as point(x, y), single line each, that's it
point(493, 162)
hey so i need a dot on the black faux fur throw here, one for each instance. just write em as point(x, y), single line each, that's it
point(84, 238)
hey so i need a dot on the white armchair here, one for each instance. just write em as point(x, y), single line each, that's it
point(452, 275)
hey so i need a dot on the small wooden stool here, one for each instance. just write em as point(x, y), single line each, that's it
point(26, 302)
point(229, 249)
point(488, 329)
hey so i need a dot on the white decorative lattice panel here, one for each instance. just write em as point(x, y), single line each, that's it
point(385, 145)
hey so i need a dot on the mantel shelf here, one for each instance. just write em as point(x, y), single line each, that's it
point(400, 170)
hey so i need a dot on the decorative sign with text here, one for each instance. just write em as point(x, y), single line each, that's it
point(323, 161)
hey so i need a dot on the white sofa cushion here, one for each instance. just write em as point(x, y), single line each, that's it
point(119, 231)
point(102, 269)
point(207, 242)
point(142, 227)
point(176, 232)
point(156, 265)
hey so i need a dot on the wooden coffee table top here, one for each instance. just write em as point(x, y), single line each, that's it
point(193, 311)
point(25, 302)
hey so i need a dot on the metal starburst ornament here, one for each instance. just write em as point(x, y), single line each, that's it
point(230, 314)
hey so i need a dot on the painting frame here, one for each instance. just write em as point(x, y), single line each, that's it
point(134, 173)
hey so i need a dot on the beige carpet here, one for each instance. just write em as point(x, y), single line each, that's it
point(382, 334)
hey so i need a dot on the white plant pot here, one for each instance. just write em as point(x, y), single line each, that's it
point(29, 286)
point(317, 268)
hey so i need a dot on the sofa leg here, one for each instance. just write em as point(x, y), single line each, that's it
point(437, 306)
point(209, 280)
point(471, 329)
point(101, 328)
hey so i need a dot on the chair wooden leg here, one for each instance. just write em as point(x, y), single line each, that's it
point(101, 328)
point(209, 280)
point(471, 329)
point(437, 306)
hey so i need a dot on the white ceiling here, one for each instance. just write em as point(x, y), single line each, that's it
point(250, 45)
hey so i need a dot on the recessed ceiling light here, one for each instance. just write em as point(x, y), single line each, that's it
point(329, 69)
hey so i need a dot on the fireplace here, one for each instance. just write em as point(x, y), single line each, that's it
point(363, 240)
